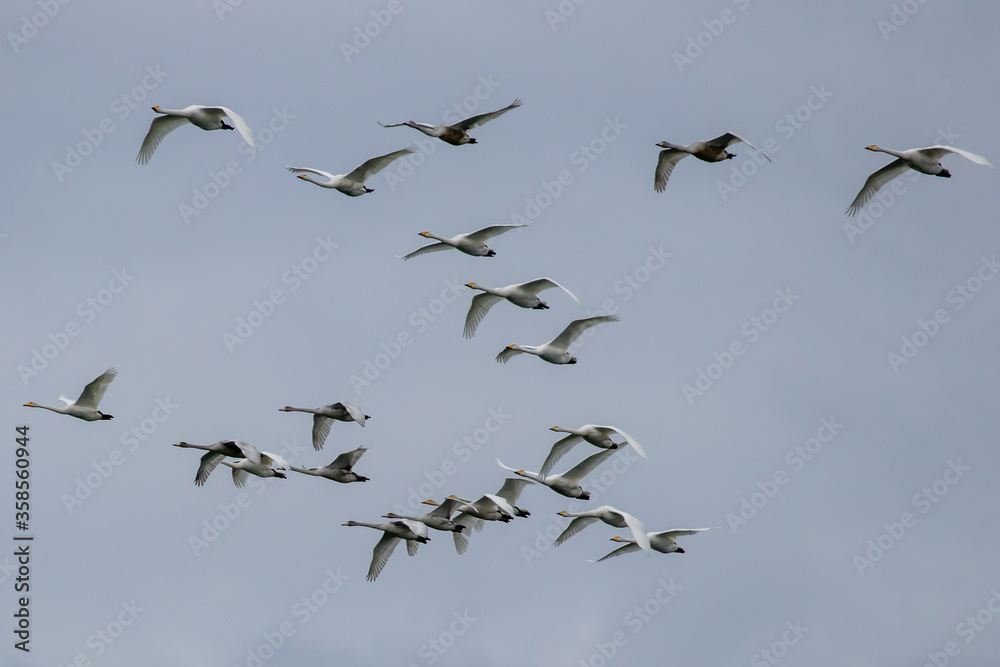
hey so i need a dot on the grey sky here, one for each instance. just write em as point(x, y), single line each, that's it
point(174, 261)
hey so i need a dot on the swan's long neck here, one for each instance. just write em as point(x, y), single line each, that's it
point(366, 525)
point(288, 408)
point(61, 411)
point(890, 151)
point(171, 112)
point(428, 235)
point(304, 471)
point(391, 515)
point(190, 446)
point(530, 349)
point(531, 475)
point(322, 184)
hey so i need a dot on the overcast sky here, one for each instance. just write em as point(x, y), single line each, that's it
point(819, 389)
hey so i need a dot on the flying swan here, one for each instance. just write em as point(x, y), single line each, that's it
point(323, 417)
point(598, 436)
point(352, 184)
point(924, 160)
point(216, 452)
point(207, 118)
point(85, 407)
point(457, 134)
point(413, 532)
point(261, 464)
point(713, 150)
point(340, 469)
point(608, 515)
point(568, 483)
point(473, 243)
point(662, 542)
point(524, 295)
point(556, 351)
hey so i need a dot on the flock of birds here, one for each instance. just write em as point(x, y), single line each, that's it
point(453, 514)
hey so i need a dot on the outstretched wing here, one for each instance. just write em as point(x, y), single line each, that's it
point(577, 327)
point(507, 354)
point(94, 392)
point(501, 503)
point(638, 531)
point(321, 429)
point(476, 121)
point(240, 477)
point(489, 232)
point(942, 150)
point(445, 508)
point(241, 125)
point(875, 183)
point(669, 157)
point(274, 461)
point(462, 539)
point(433, 247)
point(371, 167)
point(728, 139)
point(558, 451)
point(584, 467)
point(639, 449)
point(481, 304)
point(357, 414)
point(679, 532)
point(347, 460)
point(574, 527)
point(209, 462)
point(511, 489)
point(159, 128)
point(542, 284)
point(380, 554)
point(627, 549)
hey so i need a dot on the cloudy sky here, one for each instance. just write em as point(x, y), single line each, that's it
point(821, 390)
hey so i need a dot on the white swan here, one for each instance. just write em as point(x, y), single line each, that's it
point(261, 464)
point(713, 150)
point(524, 295)
point(610, 516)
point(414, 532)
point(352, 184)
point(85, 407)
point(339, 470)
point(207, 118)
point(500, 506)
point(456, 134)
point(924, 160)
point(216, 452)
point(473, 243)
point(556, 351)
point(323, 417)
point(599, 436)
point(568, 483)
point(662, 542)
point(438, 518)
